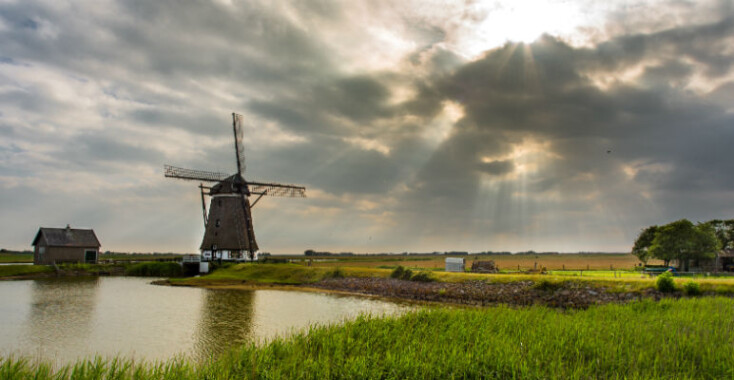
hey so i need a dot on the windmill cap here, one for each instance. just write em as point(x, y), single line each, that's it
point(230, 185)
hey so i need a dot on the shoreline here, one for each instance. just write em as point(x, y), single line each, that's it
point(568, 295)
point(454, 289)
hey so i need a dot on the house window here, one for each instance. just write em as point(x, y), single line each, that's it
point(216, 224)
point(41, 250)
point(220, 203)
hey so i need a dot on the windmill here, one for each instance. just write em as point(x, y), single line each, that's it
point(228, 229)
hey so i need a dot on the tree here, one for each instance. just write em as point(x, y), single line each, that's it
point(706, 244)
point(682, 241)
point(641, 249)
point(724, 230)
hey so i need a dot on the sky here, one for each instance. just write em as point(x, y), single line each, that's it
point(415, 126)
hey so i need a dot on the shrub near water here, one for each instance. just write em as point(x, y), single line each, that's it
point(155, 270)
point(691, 288)
point(422, 277)
point(401, 273)
point(665, 283)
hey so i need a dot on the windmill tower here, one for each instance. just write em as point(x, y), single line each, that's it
point(228, 230)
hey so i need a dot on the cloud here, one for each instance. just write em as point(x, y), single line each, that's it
point(409, 128)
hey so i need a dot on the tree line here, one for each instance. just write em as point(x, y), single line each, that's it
point(684, 241)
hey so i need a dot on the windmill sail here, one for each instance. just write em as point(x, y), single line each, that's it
point(239, 146)
point(192, 174)
point(277, 189)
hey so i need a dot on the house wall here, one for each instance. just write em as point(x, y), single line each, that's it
point(60, 255)
point(36, 259)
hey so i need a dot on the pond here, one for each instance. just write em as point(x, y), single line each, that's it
point(66, 319)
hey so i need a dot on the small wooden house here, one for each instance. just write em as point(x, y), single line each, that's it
point(65, 245)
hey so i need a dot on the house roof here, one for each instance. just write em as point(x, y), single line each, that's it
point(67, 237)
point(726, 253)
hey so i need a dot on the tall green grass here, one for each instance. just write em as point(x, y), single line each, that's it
point(688, 338)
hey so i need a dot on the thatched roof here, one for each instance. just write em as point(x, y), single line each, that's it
point(226, 227)
point(67, 237)
point(230, 185)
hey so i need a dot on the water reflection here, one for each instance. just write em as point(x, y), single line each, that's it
point(61, 314)
point(64, 320)
point(226, 321)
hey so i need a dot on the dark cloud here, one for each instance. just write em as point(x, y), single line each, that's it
point(554, 142)
point(497, 167)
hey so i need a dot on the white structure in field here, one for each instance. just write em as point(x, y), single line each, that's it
point(454, 264)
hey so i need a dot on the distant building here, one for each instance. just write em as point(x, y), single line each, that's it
point(722, 261)
point(65, 245)
point(455, 264)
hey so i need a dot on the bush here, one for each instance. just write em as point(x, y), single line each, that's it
point(422, 277)
point(336, 273)
point(397, 272)
point(407, 274)
point(154, 269)
point(665, 283)
point(546, 285)
point(691, 288)
point(401, 273)
point(215, 265)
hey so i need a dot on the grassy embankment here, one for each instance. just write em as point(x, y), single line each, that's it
point(24, 270)
point(295, 274)
point(688, 338)
point(144, 269)
point(20, 257)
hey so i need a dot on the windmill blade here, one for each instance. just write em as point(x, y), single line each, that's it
point(191, 174)
point(277, 189)
point(239, 146)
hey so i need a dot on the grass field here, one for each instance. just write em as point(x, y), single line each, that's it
point(689, 338)
point(504, 262)
point(16, 257)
